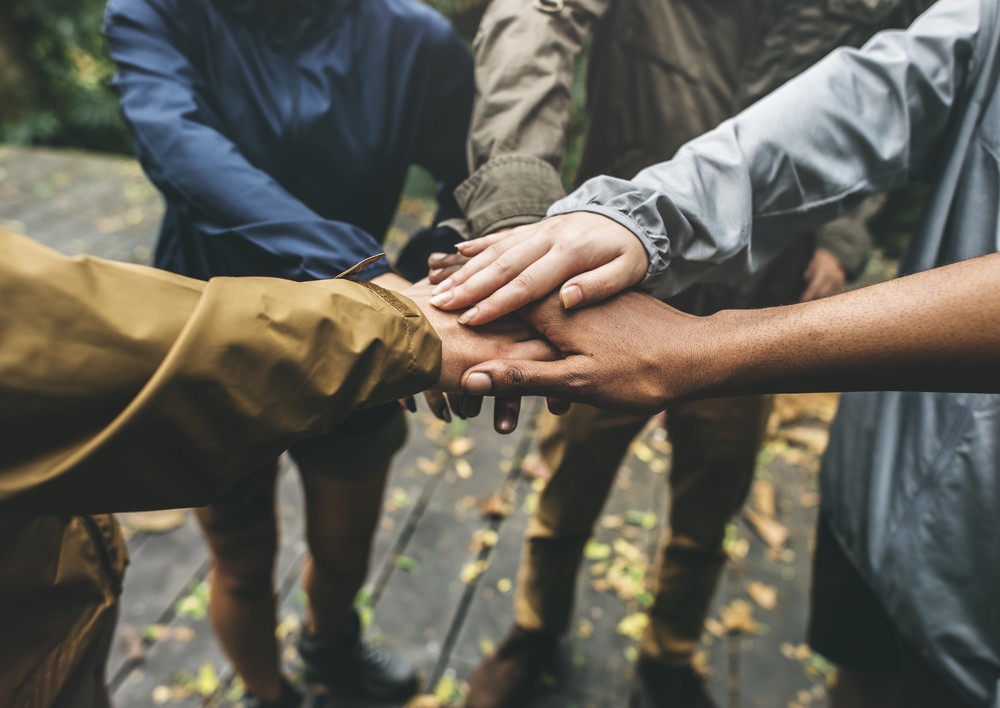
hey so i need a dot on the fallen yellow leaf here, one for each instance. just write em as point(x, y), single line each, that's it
point(764, 595)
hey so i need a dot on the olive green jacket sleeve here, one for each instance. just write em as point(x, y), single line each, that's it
point(526, 52)
point(124, 387)
point(849, 239)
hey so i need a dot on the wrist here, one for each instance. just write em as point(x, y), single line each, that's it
point(732, 354)
point(392, 281)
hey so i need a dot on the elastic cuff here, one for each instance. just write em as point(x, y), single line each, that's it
point(656, 262)
point(512, 187)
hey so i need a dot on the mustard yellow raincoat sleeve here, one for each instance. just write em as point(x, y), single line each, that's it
point(124, 387)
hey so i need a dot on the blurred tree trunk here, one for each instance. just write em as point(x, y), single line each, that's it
point(20, 84)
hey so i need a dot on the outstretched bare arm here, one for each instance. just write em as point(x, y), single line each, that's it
point(934, 331)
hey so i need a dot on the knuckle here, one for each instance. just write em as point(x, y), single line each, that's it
point(524, 281)
point(494, 251)
point(514, 378)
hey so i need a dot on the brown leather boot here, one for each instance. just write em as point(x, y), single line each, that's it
point(507, 678)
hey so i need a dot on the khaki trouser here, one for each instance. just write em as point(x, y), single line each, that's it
point(715, 446)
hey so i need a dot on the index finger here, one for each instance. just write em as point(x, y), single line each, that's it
point(534, 282)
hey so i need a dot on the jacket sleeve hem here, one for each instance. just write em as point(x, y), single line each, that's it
point(508, 191)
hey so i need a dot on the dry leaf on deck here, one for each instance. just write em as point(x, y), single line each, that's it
point(764, 595)
point(763, 498)
point(461, 446)
point(808, 437)
point(533, 467)
point(737, 617)
point(428, 466)
point(483, 538)
point(612, 521)
point(634, 625)
point(494, 507)
point(715, 628)
point(463, 469)
point(772, 532)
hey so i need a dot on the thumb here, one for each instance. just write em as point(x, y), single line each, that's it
point(597, 284)
point(517, 377)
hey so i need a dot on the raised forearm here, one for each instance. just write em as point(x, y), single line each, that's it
point(933, 331)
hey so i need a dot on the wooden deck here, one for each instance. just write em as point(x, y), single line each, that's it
point(442, 572)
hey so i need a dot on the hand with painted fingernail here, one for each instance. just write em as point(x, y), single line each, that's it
point(586, 256)
point(441, 266)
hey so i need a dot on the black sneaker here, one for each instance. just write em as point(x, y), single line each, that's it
point(289, 698)
point(349, 663)
point(673, 686)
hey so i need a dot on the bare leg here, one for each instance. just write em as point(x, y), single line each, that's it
point(341, 519)
point(242, 535)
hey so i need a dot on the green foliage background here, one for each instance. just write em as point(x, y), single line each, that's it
point(55, 76)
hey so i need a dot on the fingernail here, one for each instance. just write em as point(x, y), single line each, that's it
point(571, 296)
point(411, 405)
point(442, 286)
point(446, 414)
point(468, 315)
point(440, 299)
point(433, 272)
point(435, 257)
point(478, 384)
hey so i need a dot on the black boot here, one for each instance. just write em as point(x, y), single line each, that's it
point(349, 663)
point(673, 686)
point(289, 698)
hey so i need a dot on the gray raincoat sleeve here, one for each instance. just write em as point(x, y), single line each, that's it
point(859, 122)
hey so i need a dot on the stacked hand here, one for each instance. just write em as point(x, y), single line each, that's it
point(631, 353)
point(587, 257)
point(462, 348)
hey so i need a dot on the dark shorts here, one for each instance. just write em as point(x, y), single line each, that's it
point(365, 440)
point(850, 627)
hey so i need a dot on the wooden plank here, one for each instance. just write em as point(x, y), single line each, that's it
point(768, 677)
point(190, 644)
point(423, 607)
point(416, 467)
point(53, 184)
point(594, 663)
point(88, 211)
point(161, 570)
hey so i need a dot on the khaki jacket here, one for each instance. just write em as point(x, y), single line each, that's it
point(661, 72)
point(126, 388)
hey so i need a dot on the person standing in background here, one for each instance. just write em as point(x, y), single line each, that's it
point(660, 74)
point(280, 137)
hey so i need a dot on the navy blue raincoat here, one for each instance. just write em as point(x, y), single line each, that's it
point(280, 133)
